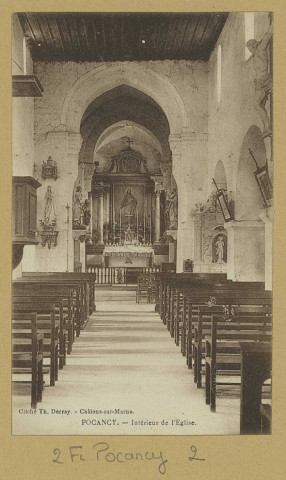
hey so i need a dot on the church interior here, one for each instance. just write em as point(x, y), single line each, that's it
point(142, 222)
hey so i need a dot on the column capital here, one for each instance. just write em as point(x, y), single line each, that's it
point(158, 179)
point(99, 190)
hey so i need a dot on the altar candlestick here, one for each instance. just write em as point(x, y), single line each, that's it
point(137, 226)
point(144, 227)
point(120, 224)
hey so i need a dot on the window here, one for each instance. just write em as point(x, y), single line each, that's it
point(24, 56)
point(218, 74)
point(249, 31)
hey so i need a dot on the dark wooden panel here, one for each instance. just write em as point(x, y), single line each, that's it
point(121, 36)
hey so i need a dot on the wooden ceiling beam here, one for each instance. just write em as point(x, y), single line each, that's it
point(208, 21)
point(118, 36)
point(167, 36)
point(194, 33)
point(176, 35)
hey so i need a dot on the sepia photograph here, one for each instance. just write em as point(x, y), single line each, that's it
point(142, 211)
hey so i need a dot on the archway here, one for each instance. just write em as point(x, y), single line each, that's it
point(100, 80)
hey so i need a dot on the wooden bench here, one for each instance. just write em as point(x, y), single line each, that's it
point(87, 278)
point(255, 369)
point(266, 418)
point(46, 325)
point(53, 290)
point(223, 356)
point(175, 283)
point(50, 283)
point(222, 301)
point(63, 317)
point(200, 324)
point(27, 354)
point(215, 291)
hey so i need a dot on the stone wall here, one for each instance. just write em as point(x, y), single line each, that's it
point(188, 79)
point(229, 121)
point(203, 132)
point(22, 120)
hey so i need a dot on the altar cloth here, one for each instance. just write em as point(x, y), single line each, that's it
point(128, 250)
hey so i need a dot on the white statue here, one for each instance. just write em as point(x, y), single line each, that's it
point(49, 211)
point(219, 244)
point(77, 206)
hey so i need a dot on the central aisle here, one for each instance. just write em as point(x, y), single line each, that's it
point(126, 360)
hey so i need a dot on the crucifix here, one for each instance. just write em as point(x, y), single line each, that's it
point(129, 141)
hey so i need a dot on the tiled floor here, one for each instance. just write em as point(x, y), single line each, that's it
point(124, 360)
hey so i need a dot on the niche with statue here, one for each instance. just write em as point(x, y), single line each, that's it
point(210, 238)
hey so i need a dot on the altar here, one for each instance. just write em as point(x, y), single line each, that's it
point(128, 256)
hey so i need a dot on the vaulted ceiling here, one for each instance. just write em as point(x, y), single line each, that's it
point(121, 36)
point(122, 103)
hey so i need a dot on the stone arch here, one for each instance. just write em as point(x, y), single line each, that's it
point(116, 127)
point(106, 77)
point(248, 200)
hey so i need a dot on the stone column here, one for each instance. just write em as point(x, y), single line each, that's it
point(157, 216)
point(189, 167)
point(99, 193)
point(158, 179)
point(266, 216)
point(166, 169)
point(245, 251)
point(197, 238)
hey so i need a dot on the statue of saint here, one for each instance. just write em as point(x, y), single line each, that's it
point(49, 211)
point(86, 213)
point(77, 206)
point(219, 244)
point(171, 213)
point(263, 80)
point(128, 205)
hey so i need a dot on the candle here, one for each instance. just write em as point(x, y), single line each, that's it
point(144, 228)
point(120, 224)
point(137, 226)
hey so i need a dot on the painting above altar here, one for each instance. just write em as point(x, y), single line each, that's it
point(124, 200)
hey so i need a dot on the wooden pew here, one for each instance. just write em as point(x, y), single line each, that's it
point(53, 289)
point(223, 353)
point(255, 369)
point(217, 289)
point(225, 299)
point(63, 318)
point(27, 354)
point(47, 326)
point(172, 284)
point(266, 418)
point(87, 278)
point(62, 297)
point(79, 294)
